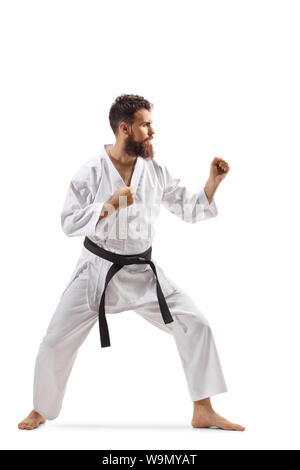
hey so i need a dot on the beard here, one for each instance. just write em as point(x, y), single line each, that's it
point(142, 149)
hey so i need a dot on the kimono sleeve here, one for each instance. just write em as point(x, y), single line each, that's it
point(188, 205)
point(80, 213)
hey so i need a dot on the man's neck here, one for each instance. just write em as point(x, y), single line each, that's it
point(116, 152)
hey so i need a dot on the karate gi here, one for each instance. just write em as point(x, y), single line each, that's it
point(126, 231)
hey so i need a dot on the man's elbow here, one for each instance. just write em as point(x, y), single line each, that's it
point(67, 226)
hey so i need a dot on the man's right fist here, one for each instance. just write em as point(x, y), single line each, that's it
point(123, 197)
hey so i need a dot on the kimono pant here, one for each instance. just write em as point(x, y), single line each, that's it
point(73, 320)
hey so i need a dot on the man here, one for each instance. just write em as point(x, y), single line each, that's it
point(113, 201)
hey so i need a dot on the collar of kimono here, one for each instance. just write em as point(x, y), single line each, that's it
point(117, 179)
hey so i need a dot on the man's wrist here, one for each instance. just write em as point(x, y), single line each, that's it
point(113, 202)
point(108, 208)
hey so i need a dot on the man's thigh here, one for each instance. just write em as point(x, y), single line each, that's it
point(183, 309)
point(73, 317)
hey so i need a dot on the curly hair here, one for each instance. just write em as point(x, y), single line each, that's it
point(124, 107)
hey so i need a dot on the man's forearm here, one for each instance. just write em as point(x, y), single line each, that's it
point(108, 208)
point(122, 198)
point(210, 189)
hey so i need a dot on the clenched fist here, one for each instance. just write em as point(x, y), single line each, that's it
point(123, 197)
point(218, 170)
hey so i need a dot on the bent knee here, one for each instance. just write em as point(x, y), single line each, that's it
point(53, 342)
point(201, 320)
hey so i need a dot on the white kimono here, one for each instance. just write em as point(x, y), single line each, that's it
point(95, 183)
point(126, 231)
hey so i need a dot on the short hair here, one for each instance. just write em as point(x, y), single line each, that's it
point(123, 109)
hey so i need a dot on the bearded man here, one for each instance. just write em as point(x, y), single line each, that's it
point(113, 201)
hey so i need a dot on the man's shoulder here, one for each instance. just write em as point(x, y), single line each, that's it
point(155, 164)
point(94, 162)
point(91, 166)
point(160, 168)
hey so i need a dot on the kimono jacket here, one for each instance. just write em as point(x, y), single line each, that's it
point(130, 230)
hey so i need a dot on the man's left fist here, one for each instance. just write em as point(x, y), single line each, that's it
point(218, 169)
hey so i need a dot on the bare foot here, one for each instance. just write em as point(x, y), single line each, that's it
point(204, 417)
point(32, 421)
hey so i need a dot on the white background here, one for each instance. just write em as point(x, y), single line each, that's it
point(224, 80)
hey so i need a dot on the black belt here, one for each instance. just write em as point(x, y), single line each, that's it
point(118, 262)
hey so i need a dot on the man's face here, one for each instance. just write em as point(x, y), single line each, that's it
point(138, 142)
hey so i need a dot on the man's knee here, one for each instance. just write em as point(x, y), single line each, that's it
point(53, 342)
point(201, 320)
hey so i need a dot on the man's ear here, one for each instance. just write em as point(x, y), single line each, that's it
point(124, 127)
